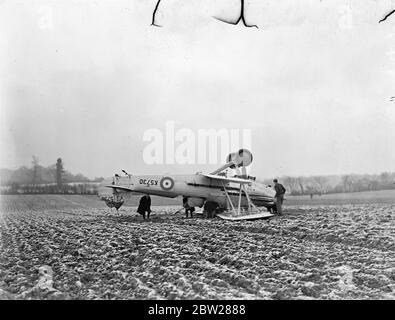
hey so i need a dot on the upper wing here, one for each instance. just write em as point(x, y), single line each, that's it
point(222, 178)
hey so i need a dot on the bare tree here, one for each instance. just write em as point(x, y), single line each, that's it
point(59, 172)
point(300, 181)
point(384, 177)
point(347, 183)
point(291, 183)
point(321, 183)
point(35, 163)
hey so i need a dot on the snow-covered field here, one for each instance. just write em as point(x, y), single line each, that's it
point(74, 247)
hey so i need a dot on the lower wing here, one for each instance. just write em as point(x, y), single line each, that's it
point(123, 189)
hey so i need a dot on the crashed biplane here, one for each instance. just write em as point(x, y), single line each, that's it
point(237, 197)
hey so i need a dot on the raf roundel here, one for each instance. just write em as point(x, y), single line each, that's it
point(166, 183)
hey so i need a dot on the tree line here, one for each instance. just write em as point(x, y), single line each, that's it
point(72, 188)
point(53, 179)
point(56, 180)
point(337, 183)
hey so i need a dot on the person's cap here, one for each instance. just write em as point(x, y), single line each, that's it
point(275, 180)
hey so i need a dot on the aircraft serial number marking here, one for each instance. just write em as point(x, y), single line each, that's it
point(149, 182)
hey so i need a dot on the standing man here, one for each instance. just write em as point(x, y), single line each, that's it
point(187, 207)
point(209, 209)
point(144, 206)
point(279, 197)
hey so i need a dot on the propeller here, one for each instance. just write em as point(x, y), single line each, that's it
point(241, 158)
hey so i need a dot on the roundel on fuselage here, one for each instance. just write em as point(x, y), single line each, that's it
point(166, 183)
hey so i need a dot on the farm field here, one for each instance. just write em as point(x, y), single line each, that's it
point(74, 247)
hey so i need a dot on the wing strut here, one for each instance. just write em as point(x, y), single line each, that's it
point(252, 212)
point(252, 208)
point(251, 205)
point(238, 161)
point(230, 201)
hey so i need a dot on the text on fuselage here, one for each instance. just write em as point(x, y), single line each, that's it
point(149, 182)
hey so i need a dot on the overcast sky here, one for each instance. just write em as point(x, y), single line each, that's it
point(83, 80)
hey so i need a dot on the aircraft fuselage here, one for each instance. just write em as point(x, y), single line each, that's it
point(194, 186)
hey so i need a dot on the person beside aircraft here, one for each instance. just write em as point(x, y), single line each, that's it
point(279, 196)
point(188, 208)
point(230, 196)
point(144, 206)
point(209, 209)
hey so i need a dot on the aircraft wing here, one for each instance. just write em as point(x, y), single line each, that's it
point(121, 188)
point(222, 178)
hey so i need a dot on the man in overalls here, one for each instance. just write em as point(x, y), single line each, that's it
point(279, 197)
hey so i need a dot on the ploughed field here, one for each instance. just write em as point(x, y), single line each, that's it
point(74, 247)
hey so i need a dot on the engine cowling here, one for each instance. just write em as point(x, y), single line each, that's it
point(241, 158)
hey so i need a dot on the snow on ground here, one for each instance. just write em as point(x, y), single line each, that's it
point(74, 247)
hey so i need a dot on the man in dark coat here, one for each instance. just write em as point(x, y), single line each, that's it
point(145, 206)
point(209, 209)
point(279, 197)
point(187, 207)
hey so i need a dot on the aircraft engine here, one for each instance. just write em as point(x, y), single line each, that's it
point(241, 158)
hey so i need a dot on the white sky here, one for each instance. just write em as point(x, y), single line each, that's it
point(83, 80)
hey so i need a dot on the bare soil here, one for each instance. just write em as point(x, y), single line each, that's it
point(74, 247)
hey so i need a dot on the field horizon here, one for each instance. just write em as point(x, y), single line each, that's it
point(387, 196)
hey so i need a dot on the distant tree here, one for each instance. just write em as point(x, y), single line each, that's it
point(14, 188)
point(291, 183)
point(300, 181)
point(385, 179)
point(359, 184)
point(309, 189)
point(35, 169)
point(373, 184)
point(59, 172)
point(347, 183)
point(337, 183)
point(321, 183)
point(80, 178)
